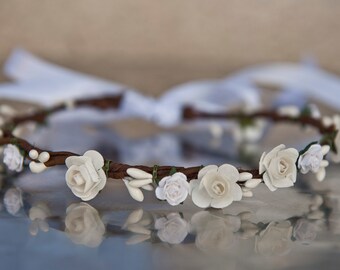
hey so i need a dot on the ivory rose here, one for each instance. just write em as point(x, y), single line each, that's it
point(174, 189)
point(85, 175)
point(278, 167)
point(216, 186)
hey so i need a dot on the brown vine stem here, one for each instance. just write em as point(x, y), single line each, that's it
point(118, 170)
point(190, 113)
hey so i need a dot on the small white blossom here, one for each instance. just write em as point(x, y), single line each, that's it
point(13, 158)
point(216, 186)
point(278, 167)
point(173, 229)
point(85, 175)
point(174, 189)
point(311, 159)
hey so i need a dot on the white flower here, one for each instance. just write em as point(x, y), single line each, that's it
point(174, 189)
point(336, 157)
point(214, 233)
point(311, 159)
point(275, 239)
point(83, 225)
point(173, 229)
point(13, 158)
point(216, 186)
point(278, 167)
point(13, 200)
point(85, 175)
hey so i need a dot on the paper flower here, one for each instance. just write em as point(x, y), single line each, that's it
point(172, 229)
point(278, 167)
point(85, 175)
point(216, 186)
point(174, 189)
point(312, 160)
point(13, 158)
point(83, 225)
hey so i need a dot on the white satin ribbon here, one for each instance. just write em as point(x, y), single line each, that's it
point(38, 81)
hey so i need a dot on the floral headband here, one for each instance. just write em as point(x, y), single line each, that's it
point(208, 186)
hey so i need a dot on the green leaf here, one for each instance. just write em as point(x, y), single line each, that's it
point(106, 167)
point(306, 111)
point(155, 174)
point(172, 171)
point(329, 139)
point(246, 121)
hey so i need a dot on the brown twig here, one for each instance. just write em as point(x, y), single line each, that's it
point(118, 170)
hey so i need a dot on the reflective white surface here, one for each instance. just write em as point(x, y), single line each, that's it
point(294, 228)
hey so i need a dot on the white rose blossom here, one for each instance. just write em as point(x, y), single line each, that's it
point(216, 186)
point(174, 189)
point(83, 225)
point(312, 160)
point(85, 175)
point(13, 158)
point(172, 229)
point(278, 167)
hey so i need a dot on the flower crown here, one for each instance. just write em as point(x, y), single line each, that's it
point(208, 186)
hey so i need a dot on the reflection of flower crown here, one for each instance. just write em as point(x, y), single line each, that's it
point(209, 186)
